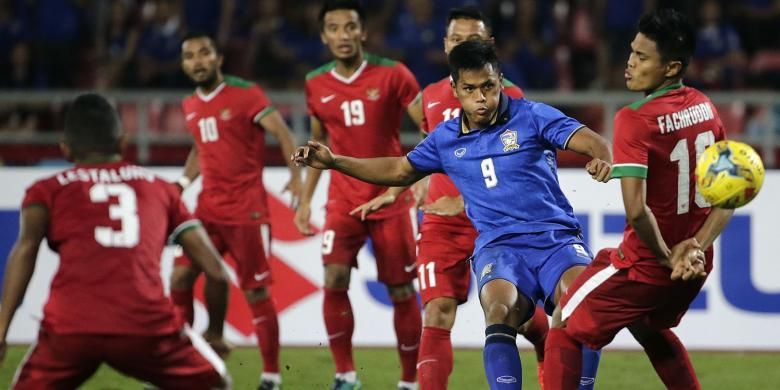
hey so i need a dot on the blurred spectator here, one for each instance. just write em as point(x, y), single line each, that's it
point(270, 59)
point(15, 56)
point(719, 61)
point(159, 46)
point(529, 52)
point(583, 45)
point(419, 36)
point(60, 33)
point(757, 21)
point(617, 20)
point(117, 47)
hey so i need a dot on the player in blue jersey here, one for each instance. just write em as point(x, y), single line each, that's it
point(501, 155)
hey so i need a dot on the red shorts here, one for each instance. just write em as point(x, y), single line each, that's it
point(603, 300)
point(393, 239)
point(248, 245)
point(442, 263)
point(173, 361)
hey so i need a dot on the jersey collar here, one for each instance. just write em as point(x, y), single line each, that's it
point(501, 117)
point(350, 79)
point(212, 94)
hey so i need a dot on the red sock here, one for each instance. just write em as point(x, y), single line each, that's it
point(435, 363)
point(182, 300)
point(563, 361)
point(266, 324)
point(340, 324)
point(536, 332)
point(408, 325)
point(670, 360)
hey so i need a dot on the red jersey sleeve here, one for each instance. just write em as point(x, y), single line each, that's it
point(259, 105)
point(512, 90)
point(37, 194)
point(630, 145)
point(179, 218)
point(406, 85)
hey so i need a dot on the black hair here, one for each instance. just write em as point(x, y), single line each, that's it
point(468, 12)
point(672, 33)
point(199, 35)
point(472, 55)
point(92, 126)
point(333, 5)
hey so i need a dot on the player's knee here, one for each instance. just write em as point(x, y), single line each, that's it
point(401, 292)
point(498, 313)
point(257, 294)
point(183, 278)
point(337, 276)
point(440, 313)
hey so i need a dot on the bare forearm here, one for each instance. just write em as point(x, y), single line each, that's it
point(646, 228)
point(310, 184)
point(18, 272)
point(381, 170)
point(198, 247)
point(191, 168)
point(288, 147)
point(713, 226)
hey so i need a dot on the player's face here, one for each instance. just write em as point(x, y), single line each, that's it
point(200, 61)
point(478, 91)
point(343, 33)
point(461, 30)
point(646, 70)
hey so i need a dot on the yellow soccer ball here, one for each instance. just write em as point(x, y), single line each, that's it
point(729, 174)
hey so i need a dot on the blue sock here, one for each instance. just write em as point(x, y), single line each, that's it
point(590, 364)
point(501, 358)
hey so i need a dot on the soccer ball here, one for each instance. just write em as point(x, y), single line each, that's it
point(729, 174)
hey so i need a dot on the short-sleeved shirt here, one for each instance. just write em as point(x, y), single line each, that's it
point(231, 146)
point(361, 116)
point(659, 139)
point(507, 172)
point(440, 104)
point(109, 223)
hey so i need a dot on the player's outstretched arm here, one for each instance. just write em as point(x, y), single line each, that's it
point(198, 247)
point(588, 142)
point(380, 201)
point(274, 124)
point(386, 171)
point(21, 264)
point(641, 218)
point(191, 170)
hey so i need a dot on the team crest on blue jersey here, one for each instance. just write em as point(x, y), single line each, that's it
point(509, 139)
point(486, 270)
point(372, 93)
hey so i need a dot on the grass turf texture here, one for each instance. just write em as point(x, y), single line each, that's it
point(311, 368)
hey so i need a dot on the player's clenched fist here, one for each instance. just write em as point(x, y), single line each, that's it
point(315, 155)
point(599, 169)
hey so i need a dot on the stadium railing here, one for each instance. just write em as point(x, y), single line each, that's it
point(159, 136)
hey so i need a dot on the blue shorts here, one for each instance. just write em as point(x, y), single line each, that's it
point(533, 262)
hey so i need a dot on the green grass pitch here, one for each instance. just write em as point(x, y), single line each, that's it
point(311, 368)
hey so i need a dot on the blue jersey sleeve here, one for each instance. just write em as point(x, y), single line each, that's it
point(425, 156)
point(554, 126)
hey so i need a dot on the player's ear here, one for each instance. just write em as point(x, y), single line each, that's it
point(501, 80)
point(454, 86)
point(673, 69)
point(123, 141)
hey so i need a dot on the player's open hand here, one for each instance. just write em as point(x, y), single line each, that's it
point(688, 261)
point(372, 205)
point(301, 219)
point(446, 206)
point(315, 155)
point(599, 169)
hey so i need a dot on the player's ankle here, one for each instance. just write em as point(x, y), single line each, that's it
point(349, 376)
point(271, 376)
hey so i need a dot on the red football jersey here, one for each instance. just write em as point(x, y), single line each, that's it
point(109, 223)
point(440, 104)
point(230, 151)
point(659, 138)
point(362, 117)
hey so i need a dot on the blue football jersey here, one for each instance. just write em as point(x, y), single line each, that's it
point(506, 172)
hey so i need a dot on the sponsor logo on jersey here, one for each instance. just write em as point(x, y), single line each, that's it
point(433, 104)
point(191, 116)
point(409, 268)
point(581, 251)
point(509, 139)
point(460, 152)
point(486, 270)
point(372, 93)
point(225, 114)
point(328, 98)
